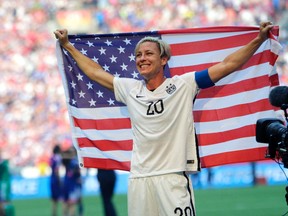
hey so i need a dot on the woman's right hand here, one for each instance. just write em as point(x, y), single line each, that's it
point(62, 36)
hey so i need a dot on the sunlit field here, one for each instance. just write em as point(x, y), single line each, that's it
point(250, 201)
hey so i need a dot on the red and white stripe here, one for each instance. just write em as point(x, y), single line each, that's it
point(225, 115)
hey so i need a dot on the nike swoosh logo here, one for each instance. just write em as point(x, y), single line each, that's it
point(139, 96)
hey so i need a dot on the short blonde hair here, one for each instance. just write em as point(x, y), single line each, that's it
point(164, 47)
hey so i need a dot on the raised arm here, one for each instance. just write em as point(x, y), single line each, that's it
point(93, 70)
point(235, 60)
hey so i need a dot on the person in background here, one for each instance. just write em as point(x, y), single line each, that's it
point(107, 181)
point(72, 184)
point(55, 179)
point(6, 207)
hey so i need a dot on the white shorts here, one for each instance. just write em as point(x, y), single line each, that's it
point(162, 195)
point(74, 195)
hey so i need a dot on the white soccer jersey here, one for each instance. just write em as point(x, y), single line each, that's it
point(162, 124)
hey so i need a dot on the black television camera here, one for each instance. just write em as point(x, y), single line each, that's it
point(272, 130)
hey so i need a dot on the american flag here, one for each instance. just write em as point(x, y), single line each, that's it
point(225, 115)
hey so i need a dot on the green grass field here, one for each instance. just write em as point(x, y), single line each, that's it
point(252, 201)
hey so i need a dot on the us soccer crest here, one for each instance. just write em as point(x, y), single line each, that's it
point(170, 89)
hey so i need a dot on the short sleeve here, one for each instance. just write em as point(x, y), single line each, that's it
point(122, 88)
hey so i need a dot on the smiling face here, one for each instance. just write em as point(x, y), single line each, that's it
point(148, 60)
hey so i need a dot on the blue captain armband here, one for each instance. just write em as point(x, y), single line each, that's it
point(203, 79)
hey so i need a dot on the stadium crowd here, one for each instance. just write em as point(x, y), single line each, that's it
point(32, 102)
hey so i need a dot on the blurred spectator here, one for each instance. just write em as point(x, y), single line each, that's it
point(56, 188)
point(6, 207)
point(107, 181)
point(32, 102)
point(72, 184)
